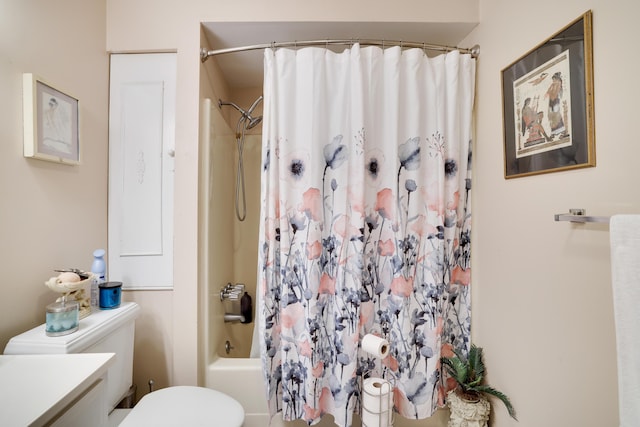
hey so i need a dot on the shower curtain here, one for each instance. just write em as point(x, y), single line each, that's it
point(365, 225)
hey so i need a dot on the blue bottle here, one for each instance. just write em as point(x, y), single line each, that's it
point(99, 268)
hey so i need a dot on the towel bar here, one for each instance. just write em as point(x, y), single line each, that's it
point(580, 215)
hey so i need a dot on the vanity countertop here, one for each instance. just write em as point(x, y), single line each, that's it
point(34, 388)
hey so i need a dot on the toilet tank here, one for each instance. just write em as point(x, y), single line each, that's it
point(103, 331)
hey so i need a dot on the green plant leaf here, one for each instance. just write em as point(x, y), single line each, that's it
point(503, 397)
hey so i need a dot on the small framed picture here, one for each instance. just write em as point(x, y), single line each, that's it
point(547, 98)
point(50, 122)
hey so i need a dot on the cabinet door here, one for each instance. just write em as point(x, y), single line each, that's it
point(141, 169)
point(89, 410)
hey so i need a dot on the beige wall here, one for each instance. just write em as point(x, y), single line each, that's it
point(542, 291)
point(51, 215)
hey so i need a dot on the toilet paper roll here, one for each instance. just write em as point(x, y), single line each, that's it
point(372, 344)
point(376, 403)
point(375, 420)
point(377, 395)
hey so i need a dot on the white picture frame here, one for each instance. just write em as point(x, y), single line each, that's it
point(51, 122)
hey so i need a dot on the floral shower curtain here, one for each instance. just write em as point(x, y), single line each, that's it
point(365, 225)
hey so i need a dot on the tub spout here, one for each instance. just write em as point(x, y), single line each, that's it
point(233, 318)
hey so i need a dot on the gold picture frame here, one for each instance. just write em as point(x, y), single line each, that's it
point(547, 96)
point(51, 125)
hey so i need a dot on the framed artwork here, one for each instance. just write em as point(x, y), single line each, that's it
point(50, 122)
point(547, 98)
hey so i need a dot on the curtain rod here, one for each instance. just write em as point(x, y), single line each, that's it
point(205, 54)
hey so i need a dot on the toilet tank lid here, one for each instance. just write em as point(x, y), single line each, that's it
point(92, 328)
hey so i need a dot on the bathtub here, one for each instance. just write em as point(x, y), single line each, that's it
point(241, 378)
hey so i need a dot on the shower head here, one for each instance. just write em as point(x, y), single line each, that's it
point(253, 122)
point(246, 115)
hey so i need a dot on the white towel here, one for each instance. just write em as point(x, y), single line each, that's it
point(625, 279)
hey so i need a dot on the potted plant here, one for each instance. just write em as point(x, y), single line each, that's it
point(469, 402)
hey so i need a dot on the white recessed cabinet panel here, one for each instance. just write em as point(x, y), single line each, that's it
point(141, 165)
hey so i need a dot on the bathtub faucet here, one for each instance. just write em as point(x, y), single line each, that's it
point(233, 318)
point(232, 292)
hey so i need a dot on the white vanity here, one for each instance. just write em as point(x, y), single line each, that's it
point(54, 389)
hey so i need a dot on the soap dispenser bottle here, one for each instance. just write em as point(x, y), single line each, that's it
point(246, 308)
point(99, 268)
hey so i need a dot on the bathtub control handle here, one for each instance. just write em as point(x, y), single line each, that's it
point(232, 292)
point(228, 347)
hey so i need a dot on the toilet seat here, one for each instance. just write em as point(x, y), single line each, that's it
point(185, 406)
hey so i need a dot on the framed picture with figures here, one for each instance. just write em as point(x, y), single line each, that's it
point(547, 101)
point(50, 122)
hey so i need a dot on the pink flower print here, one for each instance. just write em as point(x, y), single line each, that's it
point(453, 204)
point(451, 384)
point(327, 284)
point(446, 350)
point(366, 312)
point(356, 200)
point(314, 250)
point(391, 363)
point(310, 413)
point(402, 286)
point(418, 225)
point(312, 204)
point(326, 400)
point(341, 226)
point(439, 325)
point(385, 203)
point(431, 194)
point(443, 390)
point(461, 276)
point(400, 401)
point(291, 314)
point(304, 348)
point(318, 370)
point(386, 247)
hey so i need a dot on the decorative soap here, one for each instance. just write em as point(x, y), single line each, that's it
point(62, 318)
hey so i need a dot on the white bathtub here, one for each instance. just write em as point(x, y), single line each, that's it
point(242, 379)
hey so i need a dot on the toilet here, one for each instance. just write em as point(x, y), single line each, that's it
point(112, 331)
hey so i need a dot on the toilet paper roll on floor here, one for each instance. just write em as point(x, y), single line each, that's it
point(376, 403)
point(373, 344)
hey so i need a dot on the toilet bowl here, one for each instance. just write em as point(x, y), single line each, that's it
point(185, 406)
point(112, 331)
